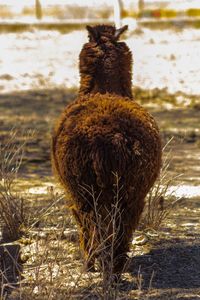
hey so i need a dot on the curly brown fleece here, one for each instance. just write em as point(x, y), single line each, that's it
point(101, 134)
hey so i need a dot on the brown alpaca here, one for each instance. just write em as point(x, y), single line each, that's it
point(102, 137)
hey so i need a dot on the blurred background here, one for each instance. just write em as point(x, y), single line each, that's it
point(91, 9)
point(41, 39)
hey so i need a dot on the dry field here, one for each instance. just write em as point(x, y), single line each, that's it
point(39, 251)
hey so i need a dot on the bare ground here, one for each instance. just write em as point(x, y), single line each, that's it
point(166, 266)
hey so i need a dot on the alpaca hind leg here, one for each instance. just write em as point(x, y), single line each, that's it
point(86, 244)
point(120, 257)
point(88, 251)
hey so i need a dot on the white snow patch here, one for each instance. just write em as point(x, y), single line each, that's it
point(187, 191)
point(48, 59)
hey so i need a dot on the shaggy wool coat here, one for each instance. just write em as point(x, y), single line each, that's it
point(106, 150)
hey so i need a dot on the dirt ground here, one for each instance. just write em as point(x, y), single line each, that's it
point(167, 265)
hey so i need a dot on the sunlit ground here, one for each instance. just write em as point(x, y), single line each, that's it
point(187, 191)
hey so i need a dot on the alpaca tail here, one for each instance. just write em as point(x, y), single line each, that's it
point(111, 157)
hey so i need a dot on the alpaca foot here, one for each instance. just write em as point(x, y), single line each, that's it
point(121, 264)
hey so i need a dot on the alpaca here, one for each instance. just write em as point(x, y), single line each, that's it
point(102, 136)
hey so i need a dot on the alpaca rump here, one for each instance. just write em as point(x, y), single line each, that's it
point(106, 150)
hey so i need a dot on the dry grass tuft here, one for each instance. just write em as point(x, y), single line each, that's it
point(159, 202)
point(11, 203)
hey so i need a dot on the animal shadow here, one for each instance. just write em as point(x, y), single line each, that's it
point(174, 266)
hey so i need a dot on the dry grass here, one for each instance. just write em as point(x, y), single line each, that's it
point(11, 203)
point(159, 202)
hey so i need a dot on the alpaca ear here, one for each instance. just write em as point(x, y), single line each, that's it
point(92, 32)
point(119, 31)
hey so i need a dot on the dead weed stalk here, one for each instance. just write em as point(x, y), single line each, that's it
point(159, 201)
point(106, 236)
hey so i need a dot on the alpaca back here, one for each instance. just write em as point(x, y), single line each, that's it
point(102, 135)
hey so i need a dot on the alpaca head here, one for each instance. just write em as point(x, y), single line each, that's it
point(101, 34)
point(105, 63)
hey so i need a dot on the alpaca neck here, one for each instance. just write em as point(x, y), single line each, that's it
point(112, 73)
point(102, 83)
